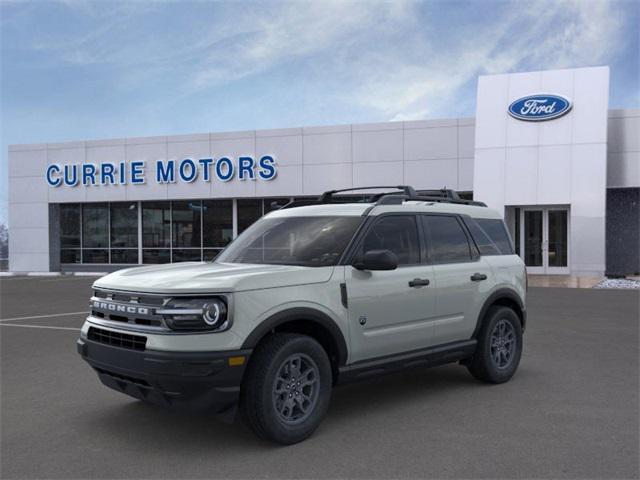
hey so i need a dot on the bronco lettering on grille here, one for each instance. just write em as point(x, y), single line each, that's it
point(117, 307)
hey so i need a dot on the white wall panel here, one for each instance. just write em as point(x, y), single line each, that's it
point(28, 215)
point(431, 143)
point(327, 148)
point(29, 240)
point(286, 149)
point(432, 174)
point(624, 134)
point(554, 175)
point(377, 146)
point(378, 173)
point(29, 262)
point(623, 169)
point(319, 178)
point(27, 163)
point(521, 176)
point(493, 95)
point(591, 104)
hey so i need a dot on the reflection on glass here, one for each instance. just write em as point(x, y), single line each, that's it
point(558, 238)
point(186, 223)
point(124, 225)
point(95, 256)
point(124, 255)
point(533, 238)
point(95, 226)
point(186, 255)
point(156, 224)
point(69, 226)
point(249, 210)
point(217, 222)
point(517, 232)
point(156, 256)
point(68, 255)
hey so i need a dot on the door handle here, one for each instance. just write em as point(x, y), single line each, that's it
point(478, 277)
point(419, 282)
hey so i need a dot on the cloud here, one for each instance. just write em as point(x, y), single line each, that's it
point(536, 35)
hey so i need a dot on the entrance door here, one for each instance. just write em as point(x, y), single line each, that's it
point(544, 239)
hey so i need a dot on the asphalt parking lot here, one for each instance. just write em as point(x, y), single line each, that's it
point(571, 411)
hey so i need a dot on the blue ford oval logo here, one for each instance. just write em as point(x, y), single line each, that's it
point(536, 108)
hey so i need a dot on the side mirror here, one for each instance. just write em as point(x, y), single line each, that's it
point(377, 260)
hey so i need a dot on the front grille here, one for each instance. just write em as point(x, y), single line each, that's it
point(117, 339)
point(132, 308)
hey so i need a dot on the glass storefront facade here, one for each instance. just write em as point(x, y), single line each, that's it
point(126, 233)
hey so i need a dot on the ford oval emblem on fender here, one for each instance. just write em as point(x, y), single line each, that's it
point(536, 108)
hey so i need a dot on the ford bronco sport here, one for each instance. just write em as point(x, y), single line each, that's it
point(309, 296)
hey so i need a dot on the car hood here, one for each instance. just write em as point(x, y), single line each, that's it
point(198, 277)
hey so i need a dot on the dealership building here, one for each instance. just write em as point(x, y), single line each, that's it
point(544, 149)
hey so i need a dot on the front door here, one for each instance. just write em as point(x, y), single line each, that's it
point(544, 239)
point(390, 311)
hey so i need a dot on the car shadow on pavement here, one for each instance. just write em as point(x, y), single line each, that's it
point(163, 428)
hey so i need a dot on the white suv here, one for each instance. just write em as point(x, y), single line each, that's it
point(310, 296)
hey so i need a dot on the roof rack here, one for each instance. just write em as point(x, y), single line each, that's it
point(401, 194)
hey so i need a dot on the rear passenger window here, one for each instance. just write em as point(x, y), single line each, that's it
point(484, 243)
point(398, 233)
point(446, 239)
point(497, 232)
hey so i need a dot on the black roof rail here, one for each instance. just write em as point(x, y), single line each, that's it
point(403, 193)
point(328, 195)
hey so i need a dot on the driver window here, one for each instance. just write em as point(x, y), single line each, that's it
point(397, 233)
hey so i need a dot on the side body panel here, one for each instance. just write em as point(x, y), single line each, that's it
point(386, 315)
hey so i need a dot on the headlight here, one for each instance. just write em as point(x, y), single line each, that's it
point(196, 314)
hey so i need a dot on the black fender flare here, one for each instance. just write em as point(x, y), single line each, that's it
point(305, 314)
point(501, 293)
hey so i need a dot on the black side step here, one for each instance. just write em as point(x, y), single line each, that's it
point(428, 357)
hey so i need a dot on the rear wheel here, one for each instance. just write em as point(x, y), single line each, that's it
point(499, 346)
point(287, 387)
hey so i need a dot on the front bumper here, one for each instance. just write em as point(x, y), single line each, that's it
point(197, 380)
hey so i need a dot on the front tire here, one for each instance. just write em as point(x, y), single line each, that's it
point(499, 346)
point(287, 387)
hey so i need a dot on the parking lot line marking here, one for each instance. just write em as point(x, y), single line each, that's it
point(38, 326)
point(42, 316)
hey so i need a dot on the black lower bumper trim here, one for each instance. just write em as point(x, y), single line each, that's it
point(200, 380)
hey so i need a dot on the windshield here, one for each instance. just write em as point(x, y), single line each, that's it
point(306, 241)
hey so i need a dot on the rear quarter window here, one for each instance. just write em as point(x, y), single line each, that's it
point(491, 236)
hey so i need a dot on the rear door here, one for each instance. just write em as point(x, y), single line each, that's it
point(462, 278)
point(390, 311)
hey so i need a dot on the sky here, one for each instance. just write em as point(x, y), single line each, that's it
point(76, 70)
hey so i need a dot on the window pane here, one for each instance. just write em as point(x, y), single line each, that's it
point(497, 232)
point(558, 238)
point(271, 204)
point(95, 256)
point(70, 256)
point(309, 241)
point(484, 243)
point(398, 234)
point(155, 256)
point(95, 225)
point(211, 253)
point(69, 226)
point(186, 224)
point(124, 256)
point(124, 225)
point(249, 210)
point(447, 240)
point(533, 238)
point(217, 222)
point(186, 255)
point(156, 224)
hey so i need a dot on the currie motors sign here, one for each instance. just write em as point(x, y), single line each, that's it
point(540, 107)
point(187, 170)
